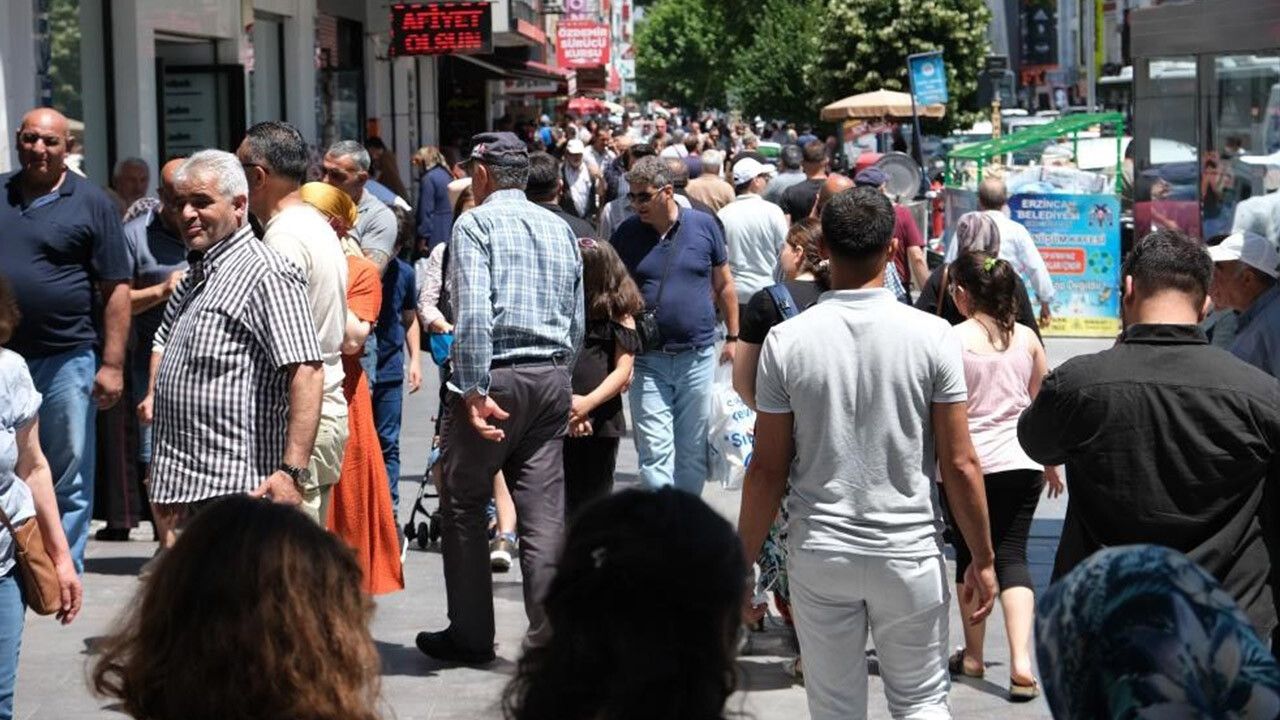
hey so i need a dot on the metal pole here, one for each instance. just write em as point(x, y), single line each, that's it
point(1090, 67)
point(916, 151)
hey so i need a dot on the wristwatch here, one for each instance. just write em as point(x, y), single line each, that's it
point(730, 338)
point(300, 475)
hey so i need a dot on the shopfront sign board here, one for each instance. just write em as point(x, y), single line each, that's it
point(442, 28)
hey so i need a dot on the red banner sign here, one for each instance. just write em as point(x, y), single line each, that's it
point(582, 43)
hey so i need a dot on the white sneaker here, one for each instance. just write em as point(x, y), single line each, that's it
point(500, 554)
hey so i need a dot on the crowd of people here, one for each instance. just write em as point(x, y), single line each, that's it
point(230, 359)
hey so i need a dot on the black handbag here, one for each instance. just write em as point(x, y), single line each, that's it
point(647, 321)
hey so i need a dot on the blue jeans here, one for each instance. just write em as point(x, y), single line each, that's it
point(388, 399)
point(140, 374)
point(670, 408)
point(66, 433)
point(12, 615)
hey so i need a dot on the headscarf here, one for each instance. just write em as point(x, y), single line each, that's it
point(1142, 632)
point(977, 232)
point(331, 202)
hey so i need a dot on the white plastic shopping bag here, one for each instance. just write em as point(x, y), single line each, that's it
point(731, 434)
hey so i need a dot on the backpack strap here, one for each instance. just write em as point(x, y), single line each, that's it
point(783, 300)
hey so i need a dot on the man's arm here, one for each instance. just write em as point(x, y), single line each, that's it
point(578, 323)
point(116, 316)
point(306, 387)
point(413, 339)
point(919, 268)
point(379, 239)
point(1042, 427)
point(469, 276)
point(727, 298)
point(967, 496)
point(146, 408)
point(766, 480)
point(142, 300)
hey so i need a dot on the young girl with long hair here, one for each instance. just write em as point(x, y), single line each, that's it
point(1004, 364)
point(601, 373)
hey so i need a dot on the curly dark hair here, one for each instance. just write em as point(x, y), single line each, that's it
point(609, 290)
point(256, 612)
point(10, 316)
point(644, 609)
point(992, 286)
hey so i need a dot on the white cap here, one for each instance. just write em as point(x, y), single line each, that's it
point(575, 147)
point(1251, 249)
point(748, 169)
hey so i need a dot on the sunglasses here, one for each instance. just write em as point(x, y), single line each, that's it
point(645, 196)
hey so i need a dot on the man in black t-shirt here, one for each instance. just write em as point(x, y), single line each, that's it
point(798, 200)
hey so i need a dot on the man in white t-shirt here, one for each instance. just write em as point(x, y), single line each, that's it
point(854, 394)
point(274, 157)
point(754, 230)
point(1016, 245)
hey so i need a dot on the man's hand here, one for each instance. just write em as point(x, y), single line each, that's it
point(108, 385)
point(415, 378)
point(171, 284)
point(146, 409)
point(1052, 477)
point(729, 351)
point(479, 409)
point(278, 488)
point(1046, 316)
point(980, 580)
point(581, 429)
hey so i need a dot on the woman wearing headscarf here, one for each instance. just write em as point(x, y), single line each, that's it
point(975, 232)
point(434, 212)
point(1140, 631)
point(361, 512)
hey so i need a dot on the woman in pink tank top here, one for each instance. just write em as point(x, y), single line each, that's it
point(1004, 363)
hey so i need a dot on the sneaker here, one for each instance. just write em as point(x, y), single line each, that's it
point(112, 534)
point(500, 553)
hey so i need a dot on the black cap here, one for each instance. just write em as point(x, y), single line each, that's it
point(499, 148)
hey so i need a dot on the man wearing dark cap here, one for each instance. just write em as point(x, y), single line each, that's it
point(908, 260)
point(515, 278)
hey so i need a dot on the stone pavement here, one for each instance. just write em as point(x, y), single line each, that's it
point(53, 667)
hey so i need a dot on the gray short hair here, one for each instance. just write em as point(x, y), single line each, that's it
point(651, 171)
point(509, 176)
point(712, 161)
point(224, 165)
point(123, 163)
point(354, 150)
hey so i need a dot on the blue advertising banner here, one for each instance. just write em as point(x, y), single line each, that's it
point(928, 78)
point(1079, 238)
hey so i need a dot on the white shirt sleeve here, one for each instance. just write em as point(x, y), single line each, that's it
point(948, 378)
point(772, 395)
point(429, 275)
point(1029, 260)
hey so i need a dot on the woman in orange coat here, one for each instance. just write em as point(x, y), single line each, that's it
point(360, 511)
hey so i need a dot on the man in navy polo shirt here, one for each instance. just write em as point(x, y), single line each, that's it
point(671, 393)
point(62, 241)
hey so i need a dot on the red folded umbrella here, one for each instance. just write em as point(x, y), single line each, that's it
point(586, 106)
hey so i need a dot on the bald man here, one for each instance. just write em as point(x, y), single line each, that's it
point(65, 253)
point(834, 185)
point(159, 264)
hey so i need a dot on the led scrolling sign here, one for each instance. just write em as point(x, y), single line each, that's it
point(441, 28)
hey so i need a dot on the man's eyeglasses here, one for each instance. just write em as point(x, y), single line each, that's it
point(645, 197)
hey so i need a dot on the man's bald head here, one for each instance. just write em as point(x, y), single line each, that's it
point(992, 194)
point(42, 146)
point(834, 185)
point(170, 210)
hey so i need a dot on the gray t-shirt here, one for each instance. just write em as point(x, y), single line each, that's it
point(860, 372)
point(19, 404)
point(376, 227)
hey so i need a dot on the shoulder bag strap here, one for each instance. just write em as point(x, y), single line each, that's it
point(942, 290)
point(662, 284)
point(4, 519)
point(783, 300)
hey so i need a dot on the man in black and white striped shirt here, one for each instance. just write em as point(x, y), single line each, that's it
point(238, 375)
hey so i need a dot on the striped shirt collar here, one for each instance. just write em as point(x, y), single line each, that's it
point(220, 250)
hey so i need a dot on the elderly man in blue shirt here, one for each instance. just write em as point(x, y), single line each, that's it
point(515, 278)
point(1245, 268)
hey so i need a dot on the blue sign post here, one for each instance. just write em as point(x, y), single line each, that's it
point(928, 78)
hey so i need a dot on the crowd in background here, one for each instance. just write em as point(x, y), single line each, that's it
point(248, 335)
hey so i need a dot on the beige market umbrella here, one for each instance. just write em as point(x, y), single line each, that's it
point(878, 104)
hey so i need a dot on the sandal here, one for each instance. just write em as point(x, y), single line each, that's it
point(955, 664)
point(1023, 693)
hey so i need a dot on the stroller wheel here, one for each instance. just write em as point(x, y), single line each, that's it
point(409, 531)
point(437, 526)
point(422, 536)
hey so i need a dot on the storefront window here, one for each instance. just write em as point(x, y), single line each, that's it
point(1243, 131)
point(340, 43)
point(1165, 168)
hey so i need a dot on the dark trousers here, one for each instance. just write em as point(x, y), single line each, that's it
point(1012, 497)
point(531, 456)
point(122, 498)
point(388, 401)
point(589, 463)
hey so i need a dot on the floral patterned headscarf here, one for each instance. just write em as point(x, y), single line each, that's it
point(1141, 632)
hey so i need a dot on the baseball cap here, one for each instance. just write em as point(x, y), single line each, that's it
point(499, 148)
point(871, 177)
point(575, 147)
point(1251, 249)
point(748, 169)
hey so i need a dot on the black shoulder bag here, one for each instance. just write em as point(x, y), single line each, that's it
point(647, 322)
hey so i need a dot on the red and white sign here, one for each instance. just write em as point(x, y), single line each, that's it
point(582, 43)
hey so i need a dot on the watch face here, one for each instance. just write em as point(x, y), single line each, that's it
point(304, 475)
